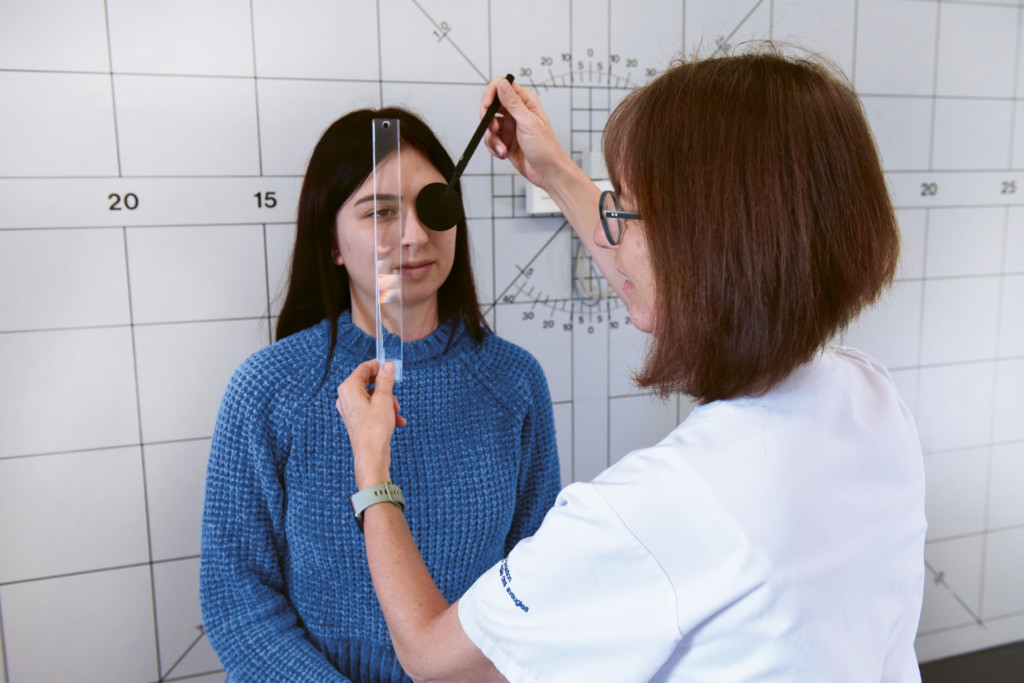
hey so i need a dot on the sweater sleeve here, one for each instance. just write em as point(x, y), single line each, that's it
point(539, 471)
point(248, 618)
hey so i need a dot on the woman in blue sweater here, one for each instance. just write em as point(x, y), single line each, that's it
point(284, 585)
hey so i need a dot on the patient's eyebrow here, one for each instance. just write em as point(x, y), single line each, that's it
point(379, 197)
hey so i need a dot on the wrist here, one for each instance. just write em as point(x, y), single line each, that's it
point(371, 480)
point(371, 475)
point(372, 495)
point(566, 180)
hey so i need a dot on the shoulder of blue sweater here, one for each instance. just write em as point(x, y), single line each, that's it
point(294, 362)
point(509, 369)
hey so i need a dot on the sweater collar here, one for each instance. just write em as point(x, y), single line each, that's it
point(434, 344)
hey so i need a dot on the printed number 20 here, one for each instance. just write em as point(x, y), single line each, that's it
point(130, 201)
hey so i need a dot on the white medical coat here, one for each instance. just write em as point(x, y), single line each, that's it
point(772, 538)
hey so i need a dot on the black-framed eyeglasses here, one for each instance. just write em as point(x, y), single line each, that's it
point(612, 217)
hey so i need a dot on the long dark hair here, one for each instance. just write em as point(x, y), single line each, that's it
point(341, 161)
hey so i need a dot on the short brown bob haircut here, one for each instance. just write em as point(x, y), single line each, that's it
point(766, 214)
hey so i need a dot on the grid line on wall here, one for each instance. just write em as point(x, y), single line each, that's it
point(134, 326)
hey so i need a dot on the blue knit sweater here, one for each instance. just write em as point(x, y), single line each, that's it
point(284, 584)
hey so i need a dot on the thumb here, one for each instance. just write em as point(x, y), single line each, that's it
point(510, 99)
point(385, 381)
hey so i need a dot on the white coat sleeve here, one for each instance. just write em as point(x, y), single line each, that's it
point(581, 600)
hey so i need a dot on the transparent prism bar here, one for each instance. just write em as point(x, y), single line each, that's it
point(387, 237)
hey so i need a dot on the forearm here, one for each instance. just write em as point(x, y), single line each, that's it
point(425, 629)
point(525, 137)
point(577, 197)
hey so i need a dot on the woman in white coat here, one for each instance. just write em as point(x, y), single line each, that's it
point(778, 532)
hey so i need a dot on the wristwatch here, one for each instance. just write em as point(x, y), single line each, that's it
point(371, 495)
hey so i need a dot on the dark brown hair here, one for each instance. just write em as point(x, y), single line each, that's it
point(766, 215)
point(341, 161)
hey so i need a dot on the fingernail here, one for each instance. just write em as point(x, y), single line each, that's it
point(500, 149)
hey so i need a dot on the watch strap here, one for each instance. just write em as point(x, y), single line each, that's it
point(371, 495)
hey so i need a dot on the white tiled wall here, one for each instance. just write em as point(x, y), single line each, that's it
point(63, 278)
point(96, 626)
point(119, 329)
point(175, 471)
point(951, 328)
point(67, 390)
point(39, 136)
point(85, 511)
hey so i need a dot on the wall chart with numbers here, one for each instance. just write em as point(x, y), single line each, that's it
point(150, 160)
